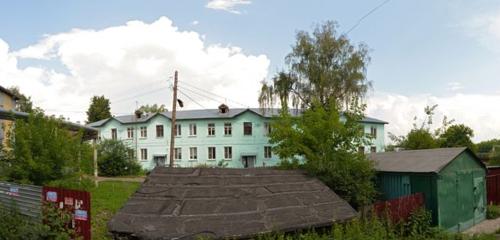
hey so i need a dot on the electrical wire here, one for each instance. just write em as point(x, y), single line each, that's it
point(191, 99)
point(366, 15)
point(214, 94)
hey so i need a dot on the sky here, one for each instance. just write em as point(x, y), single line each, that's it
point(425, 52)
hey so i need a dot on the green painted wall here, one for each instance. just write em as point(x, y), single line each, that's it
point(462, 193)
point(456, 196)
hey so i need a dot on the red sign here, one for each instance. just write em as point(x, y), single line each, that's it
point(76, 202)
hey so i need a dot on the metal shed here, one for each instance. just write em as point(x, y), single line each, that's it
point(451, 179)
point(218, 203)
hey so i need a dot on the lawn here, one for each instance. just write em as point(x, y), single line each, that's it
point(107, 199)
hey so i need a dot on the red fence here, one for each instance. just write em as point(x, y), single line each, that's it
point(493, 185)
point(400, 208)
point(75, 202)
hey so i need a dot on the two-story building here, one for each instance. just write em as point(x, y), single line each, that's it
point(7, 102)
point(236, 138)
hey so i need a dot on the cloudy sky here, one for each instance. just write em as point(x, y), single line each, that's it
point(424, 52)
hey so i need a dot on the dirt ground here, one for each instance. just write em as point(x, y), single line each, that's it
point(487, 226)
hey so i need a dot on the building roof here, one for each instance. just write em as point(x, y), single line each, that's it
point(8, 92)
point(221, 203)
point(209, 114)
point(416, 161)
point(89, 132)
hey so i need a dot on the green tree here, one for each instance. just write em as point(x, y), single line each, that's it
point(323, 66)
point(418, 139)
point(457, 135)
point(328, 143)
point(154, 108)
point(116, 159)
point(41, 150)
point(99, 109)
point(24, 104)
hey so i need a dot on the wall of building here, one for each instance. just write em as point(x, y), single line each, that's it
point(8, 103)
point(242, 145)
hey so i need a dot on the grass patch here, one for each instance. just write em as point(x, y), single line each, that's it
point(107, 199)
point(492, 212)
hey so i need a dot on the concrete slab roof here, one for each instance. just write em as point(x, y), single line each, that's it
point(220, 203)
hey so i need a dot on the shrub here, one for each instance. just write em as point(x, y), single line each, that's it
point(115, 159)
point(492, 212)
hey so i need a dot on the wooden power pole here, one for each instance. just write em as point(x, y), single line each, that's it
point(172, 125)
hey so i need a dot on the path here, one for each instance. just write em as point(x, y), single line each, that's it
point(487, 226)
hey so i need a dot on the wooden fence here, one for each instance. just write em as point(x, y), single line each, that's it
point(399, 209)
point(493, 185)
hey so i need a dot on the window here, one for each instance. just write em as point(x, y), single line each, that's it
point(247, 128)
point(211, 153)
point(159, 131)
point(131, 153)
point(361, 149)
point(144, 154)
point(267, 128)
point(228, 152)
point(228, 130)
point(177, 153)
point(192, 129)
point(144, 132)
point(267, 152)
point(177, 130)
point(373, 149)
point(193, 153)
point(211, 129)
point(373, 132)
point(114, 134)
point(130, 132)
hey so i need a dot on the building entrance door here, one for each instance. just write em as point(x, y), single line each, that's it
point(159, 160)
point(248, 161)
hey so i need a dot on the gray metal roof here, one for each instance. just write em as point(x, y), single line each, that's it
point(416, 161)
point(210, 114)
point(222, 203)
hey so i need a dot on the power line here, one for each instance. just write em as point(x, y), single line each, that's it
point(366, 15)
point(214, 94)
point(199, 94)
point(139, 95)
point(181, 92)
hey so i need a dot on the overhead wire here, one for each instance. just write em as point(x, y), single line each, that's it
point(214, 94)
point(366, 15)
point(184, 94)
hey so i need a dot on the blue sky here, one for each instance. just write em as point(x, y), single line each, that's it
point(426, 51)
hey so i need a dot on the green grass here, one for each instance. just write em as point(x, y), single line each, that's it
point(107, 199)
point(492, 212)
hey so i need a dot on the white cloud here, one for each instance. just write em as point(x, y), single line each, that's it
point(485, 29)
point(227, 5)
point(125, 61)
point(480, 112)
point(455, 86)
point(195, 22)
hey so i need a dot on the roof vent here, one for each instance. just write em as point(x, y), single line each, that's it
point(138, 113)
point(223, 108)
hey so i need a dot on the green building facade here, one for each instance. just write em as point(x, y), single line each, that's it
point(451, 179)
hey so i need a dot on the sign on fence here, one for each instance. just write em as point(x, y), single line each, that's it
point(401, 208)
point(77, 203)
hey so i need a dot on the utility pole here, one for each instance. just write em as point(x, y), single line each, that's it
point(172, 125)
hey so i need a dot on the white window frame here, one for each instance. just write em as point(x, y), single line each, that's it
point(162, 132)
point(212, 151)
point(268, 152)
point(228, 129)
point(228, 155)
point(178, 130)
point(144, 132)
point(130, 132)
point(251, 129)
point(144, 154)
point(191, 155)
point(178, 153)
point(114, 133)
point(211, 129)
point(267, 128)
point(192, 129)
point(373, 131)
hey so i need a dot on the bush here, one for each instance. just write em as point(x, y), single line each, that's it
point(492, 212)
point(16, 226)
point(115, 159)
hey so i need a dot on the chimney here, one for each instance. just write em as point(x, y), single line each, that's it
point(138, 114)
point(223, 108)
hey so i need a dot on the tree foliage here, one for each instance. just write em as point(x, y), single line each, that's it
point(115, 159)
point(328, 143)
point(323, 66)
point(41, 150)
point(457, 135)
point(24, 104)
point(153, 108)
point(99, 109)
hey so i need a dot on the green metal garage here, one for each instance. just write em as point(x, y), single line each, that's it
point(452, 180)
